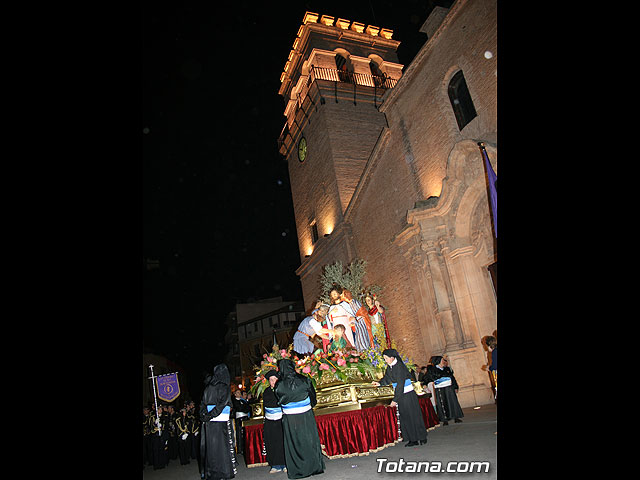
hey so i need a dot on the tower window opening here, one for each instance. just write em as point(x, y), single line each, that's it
point(377, 74)
point(461, 101)
point(343, 70)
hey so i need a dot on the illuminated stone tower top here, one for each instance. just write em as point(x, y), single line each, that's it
point(319, 40)
point(333, 82)
point(338, 50)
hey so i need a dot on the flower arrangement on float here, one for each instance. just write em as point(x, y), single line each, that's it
point(269, 362)
point(320, 363)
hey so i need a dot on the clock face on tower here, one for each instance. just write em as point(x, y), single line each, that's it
point(302, 149)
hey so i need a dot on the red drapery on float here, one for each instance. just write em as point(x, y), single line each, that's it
point(347, 434)
point(429, 414)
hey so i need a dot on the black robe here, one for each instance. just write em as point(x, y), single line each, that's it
point(447, 405)
point(240, 405)
point(273, 436)
point(216, 442)
point(411, 422)
point(302, 450)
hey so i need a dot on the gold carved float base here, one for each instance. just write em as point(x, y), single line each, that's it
point(337, 396)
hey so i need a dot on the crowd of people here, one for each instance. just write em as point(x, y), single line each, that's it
point(174, 434)
point(169, 434)
point(213, 434)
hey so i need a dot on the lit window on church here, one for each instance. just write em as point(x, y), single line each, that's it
point(461, 100)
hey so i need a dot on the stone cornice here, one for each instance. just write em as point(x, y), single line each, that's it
point(449, 188)
point(408, 233)
point(340, 33)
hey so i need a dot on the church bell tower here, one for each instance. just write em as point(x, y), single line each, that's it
point(333, 82)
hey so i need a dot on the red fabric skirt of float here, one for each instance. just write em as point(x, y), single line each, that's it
point(358, 432)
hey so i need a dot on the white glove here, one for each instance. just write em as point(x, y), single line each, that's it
point(184, 436)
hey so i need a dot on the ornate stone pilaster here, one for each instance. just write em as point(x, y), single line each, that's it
point(447, 312)
point(425, 296)
point(437, 283)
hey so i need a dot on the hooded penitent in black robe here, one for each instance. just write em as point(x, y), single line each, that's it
point(216, 443)
point(273, 436)
point(411, 422)
point(447, 405)
point(297, 397)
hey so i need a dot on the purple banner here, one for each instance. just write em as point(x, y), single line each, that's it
point(168, 387)
point(493, 190)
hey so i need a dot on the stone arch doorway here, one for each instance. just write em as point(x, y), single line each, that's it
point(473, 253)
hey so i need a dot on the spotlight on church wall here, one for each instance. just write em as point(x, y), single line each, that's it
point(327, 235)
point(328, 227)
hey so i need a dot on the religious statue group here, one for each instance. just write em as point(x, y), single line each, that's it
point(344, 325)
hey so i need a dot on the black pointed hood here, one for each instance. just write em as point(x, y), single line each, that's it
point(287, 368)
point(220, 376)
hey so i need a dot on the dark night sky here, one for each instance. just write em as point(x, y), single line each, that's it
point(217, 206)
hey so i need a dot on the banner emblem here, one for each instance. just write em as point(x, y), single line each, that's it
point(168, 387)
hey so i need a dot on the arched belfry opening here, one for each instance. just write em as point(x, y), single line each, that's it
point(343, 65)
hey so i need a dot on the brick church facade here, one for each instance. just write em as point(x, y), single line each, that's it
point(385, 166)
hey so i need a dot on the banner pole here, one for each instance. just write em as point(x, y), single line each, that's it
point(491, 194)
point(153, 382)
